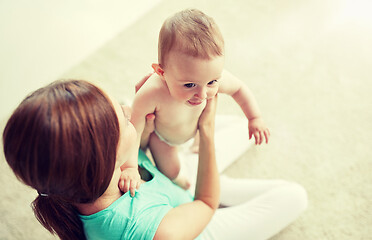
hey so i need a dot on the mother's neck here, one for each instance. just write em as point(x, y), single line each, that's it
point(111, 194)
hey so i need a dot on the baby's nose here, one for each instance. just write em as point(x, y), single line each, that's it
point(202, 94)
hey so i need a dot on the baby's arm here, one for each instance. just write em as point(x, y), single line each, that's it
point(233, 86)
point(142, 111)
point(130, 179)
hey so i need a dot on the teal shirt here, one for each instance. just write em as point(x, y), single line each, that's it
point(140, 216)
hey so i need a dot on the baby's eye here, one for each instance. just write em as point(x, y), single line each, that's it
point(189, 85)
point(212, 82)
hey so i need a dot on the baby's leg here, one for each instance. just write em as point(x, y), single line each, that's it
point(166, 160)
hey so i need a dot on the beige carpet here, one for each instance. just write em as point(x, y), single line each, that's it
point(309, 65)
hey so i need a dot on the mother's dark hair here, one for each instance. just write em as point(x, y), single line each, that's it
point(62, 141)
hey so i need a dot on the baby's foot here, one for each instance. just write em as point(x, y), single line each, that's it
point(182, 182)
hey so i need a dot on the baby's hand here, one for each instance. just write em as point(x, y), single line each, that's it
point(130, 180)
point(258, 129)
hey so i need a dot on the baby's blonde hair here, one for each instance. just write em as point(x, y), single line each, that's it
point(190, 32)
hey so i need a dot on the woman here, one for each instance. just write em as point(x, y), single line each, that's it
point(69, 140)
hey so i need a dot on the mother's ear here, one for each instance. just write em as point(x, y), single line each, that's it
point(158, 69)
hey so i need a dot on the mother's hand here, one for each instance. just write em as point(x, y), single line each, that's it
point(206, 119)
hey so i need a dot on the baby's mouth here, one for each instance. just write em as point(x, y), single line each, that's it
point(195, 103)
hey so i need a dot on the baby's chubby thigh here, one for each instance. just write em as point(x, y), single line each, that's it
point(165, 156)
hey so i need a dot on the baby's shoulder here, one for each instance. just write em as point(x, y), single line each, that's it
point(154, 91)
point(154, 85)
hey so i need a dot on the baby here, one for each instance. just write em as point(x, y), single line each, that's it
point(190, 71)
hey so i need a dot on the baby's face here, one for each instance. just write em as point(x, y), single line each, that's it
point(192, 80)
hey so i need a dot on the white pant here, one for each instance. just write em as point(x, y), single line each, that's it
point(256, 209)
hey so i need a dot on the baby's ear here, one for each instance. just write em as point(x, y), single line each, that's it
point(158, 69)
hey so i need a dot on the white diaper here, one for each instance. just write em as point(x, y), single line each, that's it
point(165, 140)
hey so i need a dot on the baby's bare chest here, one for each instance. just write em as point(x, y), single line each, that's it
point(175, 114)
point(176, 122)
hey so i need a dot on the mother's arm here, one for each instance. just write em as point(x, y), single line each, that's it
point(187, 221)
